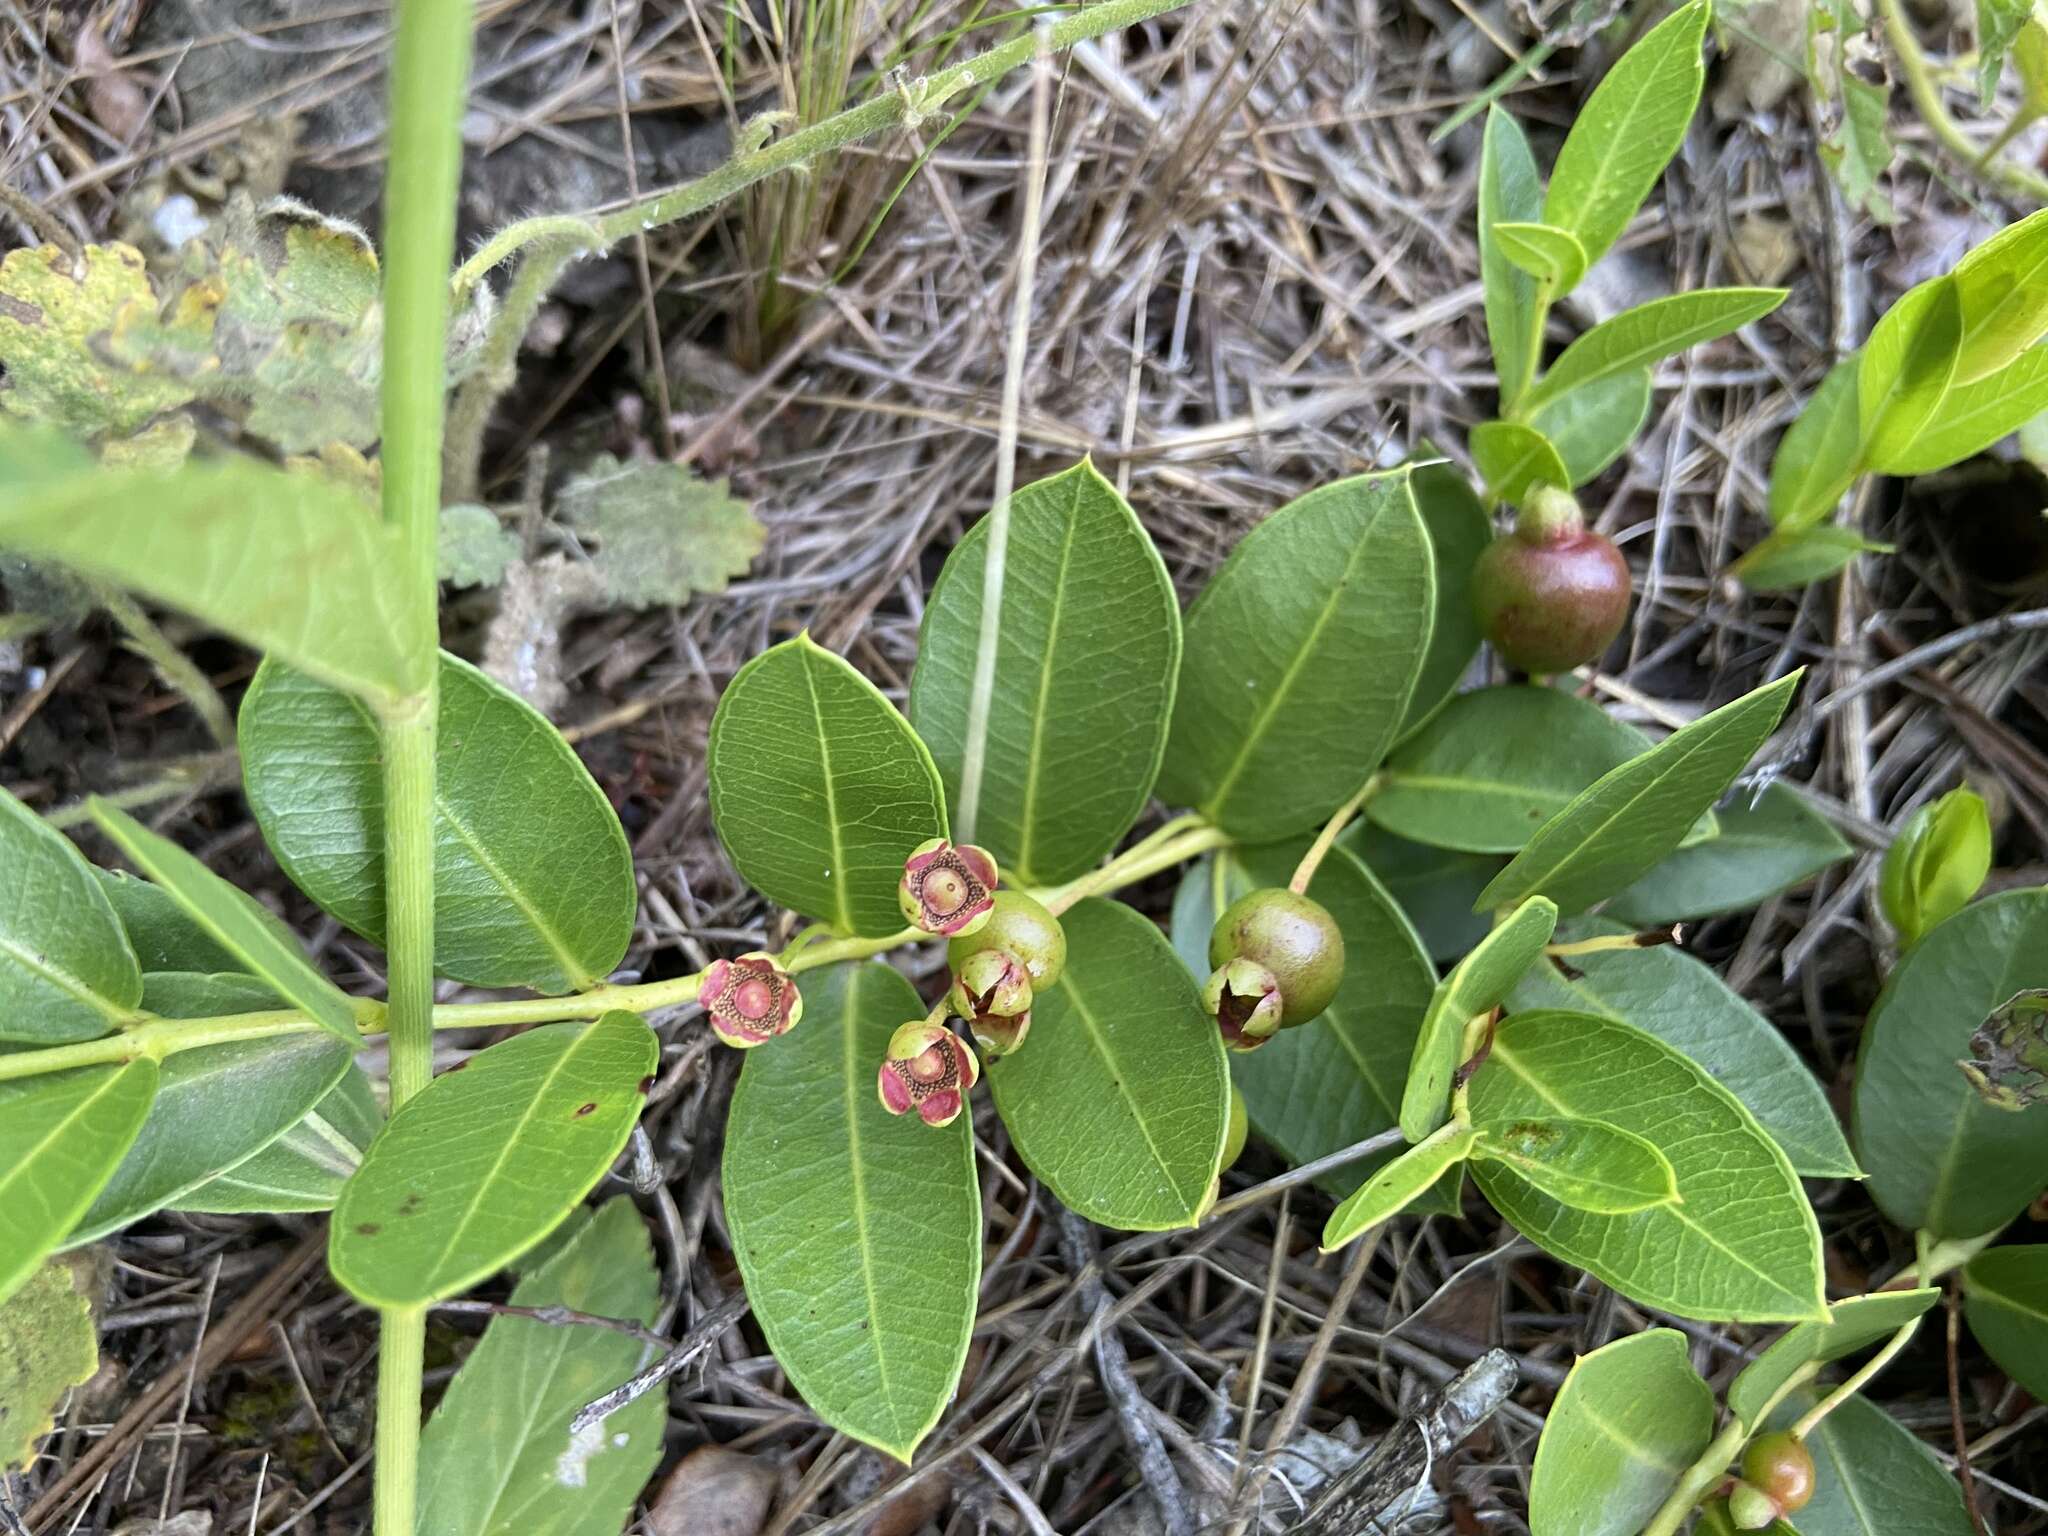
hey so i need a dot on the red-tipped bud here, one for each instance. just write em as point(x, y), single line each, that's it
point(1244, 998)
point(948, 890)
point(749, 1000)
point(929, 1069)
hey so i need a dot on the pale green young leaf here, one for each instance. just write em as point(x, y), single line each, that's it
point(498, 1457)
point(1821, 453)
point(1874, 1477)
point(483, 1163)
point(819, 788)
point(1683, 1003)
point(1397, 1185)
point(1936, 863)
point(291, 563)
point(1973, 416)
point(306, 1167)
point(1511, 457)
point(1629, 819)
point(1858, 1322)
point(2005, 1298)
point(48, 1345)
point(234, 921)
point(858, 1232)
point(1587, 1165)
point(1739, 1245)
point(1790, 558)
point(161, 932)
point(1084, 675)
point(1591, 426)
point(1302, 654)
point(2002, 290)
point(533, 881)
point(1627, 132)
point(1511, 191)
point(1939, 1158)
point(1638, 337)
point(1765, 845)
point(1434, 887)
point(1547, 253)
point(1477, 984)
point(1907, 372)
point(1459, 529)
point(1120, 1097)
point(60, 1138)
point(1628, 1421)
point(66, 969)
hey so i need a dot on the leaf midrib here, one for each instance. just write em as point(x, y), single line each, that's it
point(27, 1159)
point(837, 873)
point(850, 1067)
point(1109, 1057)
point(1034, 761)
point(74, 986)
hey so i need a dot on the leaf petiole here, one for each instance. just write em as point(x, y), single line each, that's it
point(1340, 818)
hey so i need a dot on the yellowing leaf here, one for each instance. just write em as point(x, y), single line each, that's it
point(47, 1347)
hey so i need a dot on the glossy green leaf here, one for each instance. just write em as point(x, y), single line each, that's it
point(1873, 1477)
point(1120, 1098)
point(1587, 1165)
point(1907, 371)
point(533, 881)
point(1084, 676)
point(2002, 291)
point(1858, 1323)
point(1936, 863)
point(1629, 819)
point(1546, 253)
point(1638, 337)
point(1592, 426)
point(1821, 452)
point(484, 1162)
point(1683, 1003)
point(1512, 457)
point(215, 1108)
point(819, 788)
point(1763, 846)
point(1974, 416)
point(1791, 558)
point(305, 1168)
point(294, 564)
point(163, 934)
point(1938, 1156)
point(1302, 654)
point(498, 1457)
point(66, 970)
point(858, 1231)
point(2005, 1298)
point(1628, 1421)
point(1458, 530)
point(1740, 1246)
point(1510, 190)
point(48, 1345)
point(245, 930)
point(1435, 887)
point(60, 1138)
point(1397, 1185)
point(1627, 131)
point(1477, 984)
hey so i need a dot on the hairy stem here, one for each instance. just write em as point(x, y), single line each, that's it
point(1326, 839)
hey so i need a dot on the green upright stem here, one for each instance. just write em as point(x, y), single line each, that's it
point(401, 1351)
point(1698, 1480)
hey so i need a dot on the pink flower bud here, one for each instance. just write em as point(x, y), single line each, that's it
point(749, 1000)
point(1244, 998)
point(929, 1069)
point(948, 890)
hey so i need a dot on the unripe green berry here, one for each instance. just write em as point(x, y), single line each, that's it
point(1294, 938)
point(1018, 925)
point(1780, 1467)
point(1750, 1509)
point(1552, 594)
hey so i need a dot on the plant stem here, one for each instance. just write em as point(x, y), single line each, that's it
point(401, 1348)
point(1649, 938)
point(1340, 818)
point(1127, 869)
point(1999, 171)
point(1698, 1479)
point(172, 664)
point(1856, 1382)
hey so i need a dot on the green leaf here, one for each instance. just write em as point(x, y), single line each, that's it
point(1939, 1157)
point(1683, 1003)
point(1627, 1423)
point(204, 994)
point(819, 788)
point(66, 971)
point(1469, 780)
point(1084, 676)
point(858, 1232)
point(533, 881)
point(1546, 253)
point(1637, 337)
point(661, 532)
point(1858, 1323)
point(1510, 190)
point(1627, 131)
point(1587, 1165)
point(1873, 1477)
point(1764, 846)
point(1936, 863)
point(162, 933)
point(1120, 1098)
point(1860, 150)
point(1458, 530)
point(498, 1457)
point(1821, 454)
point(1435, 887)
point(291, 564)
point(1302, 654)
point(483, 1163)
point(306, 1167)
point(2005, 1297)
point(1397, 1185)
point(2002, 289)
point(1630, 818)
point(60, 1137)
point(1592, 426)
point(48, 1345)
point(1512, 457)
point(1790, 558)
point(215, 1108)
point(1974, 416)
point(1476, 985)
point(1740, 1246)
point(1908, 369)
point(1998, 27)
point(245, 930)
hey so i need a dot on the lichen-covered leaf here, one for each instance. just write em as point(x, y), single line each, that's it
point(48, 1345)
point(662, 533)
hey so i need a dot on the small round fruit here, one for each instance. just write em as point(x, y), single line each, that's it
point(1294, 938)
point(1019, 925)
point(1552, 594)
point(1751, 1509)
point(1233, 1138)
point(1781, 1468)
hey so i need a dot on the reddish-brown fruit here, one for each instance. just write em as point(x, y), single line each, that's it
point(1552, 594)
point(1781, 1469)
